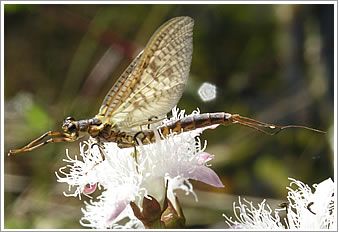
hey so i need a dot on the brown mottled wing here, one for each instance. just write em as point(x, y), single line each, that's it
point(154, 82)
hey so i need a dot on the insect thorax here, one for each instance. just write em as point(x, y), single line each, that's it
point(111, 133)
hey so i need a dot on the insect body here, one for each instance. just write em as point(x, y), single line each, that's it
point(149, 88)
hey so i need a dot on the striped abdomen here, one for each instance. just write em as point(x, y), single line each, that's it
point(193, 122)
point(186, 124)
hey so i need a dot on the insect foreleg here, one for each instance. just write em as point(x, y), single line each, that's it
point(58, 137)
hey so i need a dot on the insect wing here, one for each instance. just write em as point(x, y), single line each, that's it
point(154, 82)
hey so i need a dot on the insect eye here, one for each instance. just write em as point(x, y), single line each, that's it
point(69, 118)
point(71, 127)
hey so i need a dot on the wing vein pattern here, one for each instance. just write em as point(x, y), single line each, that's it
point(154, 82)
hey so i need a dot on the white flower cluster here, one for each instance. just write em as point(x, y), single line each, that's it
point(124, 177)
point(306, 210)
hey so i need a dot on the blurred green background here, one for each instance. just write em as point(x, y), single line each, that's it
point(269, 62)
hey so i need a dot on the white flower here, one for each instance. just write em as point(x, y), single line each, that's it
point(125, 178)
point(251, 218)
point(305, 210)
point(311, 211)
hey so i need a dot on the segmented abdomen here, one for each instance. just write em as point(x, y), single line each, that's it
point(185, 124)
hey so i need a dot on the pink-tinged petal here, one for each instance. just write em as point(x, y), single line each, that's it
point(206, 175)
point(119, 207)
point(204, 157)
point(89, 188)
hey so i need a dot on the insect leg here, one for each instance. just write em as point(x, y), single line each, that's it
point(135, 155)
point(49, 133)
point(144, 137)
point(59, 137)
point(101, 149)
point(150, 121)
point(102, 153)
point(136, 141)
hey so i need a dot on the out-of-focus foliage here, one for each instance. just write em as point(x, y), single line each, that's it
point(269, 62)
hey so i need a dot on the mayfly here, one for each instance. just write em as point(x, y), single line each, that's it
point(145, 92)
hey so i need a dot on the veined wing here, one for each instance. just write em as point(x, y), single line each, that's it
point(154, 82)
